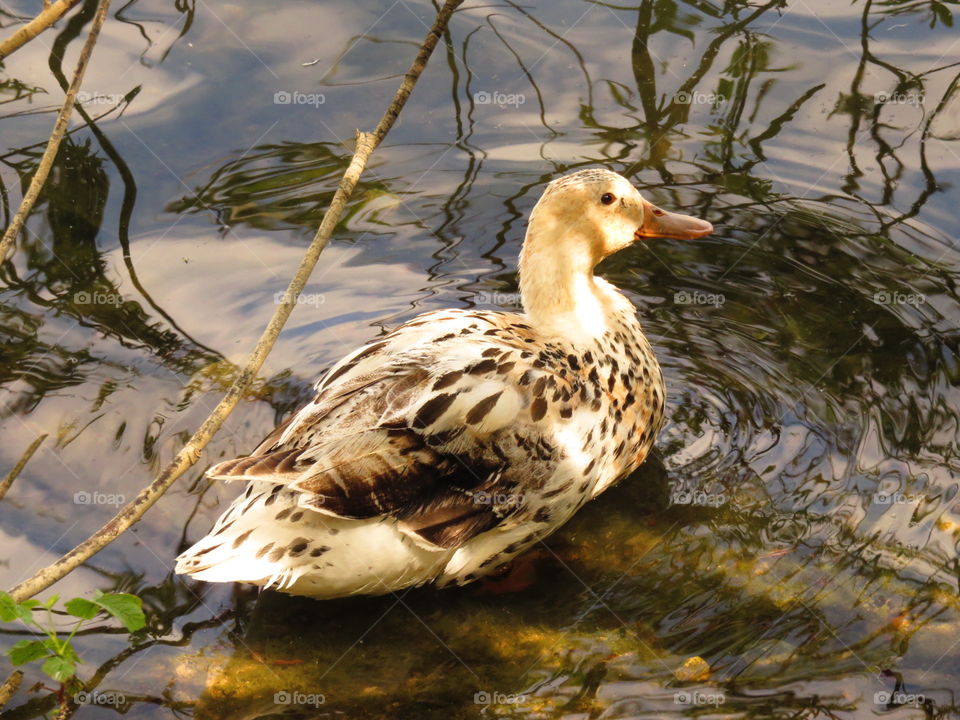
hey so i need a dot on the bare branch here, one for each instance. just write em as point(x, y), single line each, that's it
point(50, 14)
point(10, 687)
point(59, 128)
point(18, 468)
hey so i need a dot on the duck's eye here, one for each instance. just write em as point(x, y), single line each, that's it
point(607, 198)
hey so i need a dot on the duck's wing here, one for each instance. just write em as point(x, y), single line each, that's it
point(437, 424)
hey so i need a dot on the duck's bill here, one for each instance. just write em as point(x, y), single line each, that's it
point(659, 223)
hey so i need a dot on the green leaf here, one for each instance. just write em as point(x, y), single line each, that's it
point(61, 648)
point(126, 608)
point(23, 612)
point(51, 601)
point(82, 608)
point(27, 651)
point(8, 608)
point(60, 669)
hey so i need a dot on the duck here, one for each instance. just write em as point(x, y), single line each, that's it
point(439, 452)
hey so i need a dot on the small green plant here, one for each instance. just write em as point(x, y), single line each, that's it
point(58, 654)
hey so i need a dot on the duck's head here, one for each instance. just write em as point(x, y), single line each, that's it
point(604, 210)
point(581, 219)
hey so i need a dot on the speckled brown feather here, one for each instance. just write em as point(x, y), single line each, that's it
point(385, 437)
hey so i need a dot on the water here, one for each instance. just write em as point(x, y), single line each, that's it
point(798, 529)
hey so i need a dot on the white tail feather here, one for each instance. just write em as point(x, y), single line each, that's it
point(266, 538)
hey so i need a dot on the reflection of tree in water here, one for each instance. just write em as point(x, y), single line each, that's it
point(276, 186)
point(66, 275)
point(187, 10)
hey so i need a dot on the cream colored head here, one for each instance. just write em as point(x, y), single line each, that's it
point(581, 219)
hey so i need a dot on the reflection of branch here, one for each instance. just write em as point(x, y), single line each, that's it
point(858, 113)
point(931, 182)
point(526, 72)
point(190, 453)
point(776, 125)
point(188, 9)
point(46, 162)
point(676, 110)
point(658, 122)
point(20, 150)
point(126, 212)
point(560, 39)
point(129, 195)
point(41, 22)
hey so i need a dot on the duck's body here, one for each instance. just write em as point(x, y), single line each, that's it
point(440, 451)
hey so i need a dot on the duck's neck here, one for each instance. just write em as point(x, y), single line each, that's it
point(560, 294)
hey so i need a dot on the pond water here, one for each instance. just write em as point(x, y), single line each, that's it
point(798, 527)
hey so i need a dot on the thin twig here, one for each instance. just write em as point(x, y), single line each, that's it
point(10, 687)
point(18, 468)
point(50, 14)
point(190, 453)
point(53, 144)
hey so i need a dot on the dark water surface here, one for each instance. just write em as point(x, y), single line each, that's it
point(798, 530)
